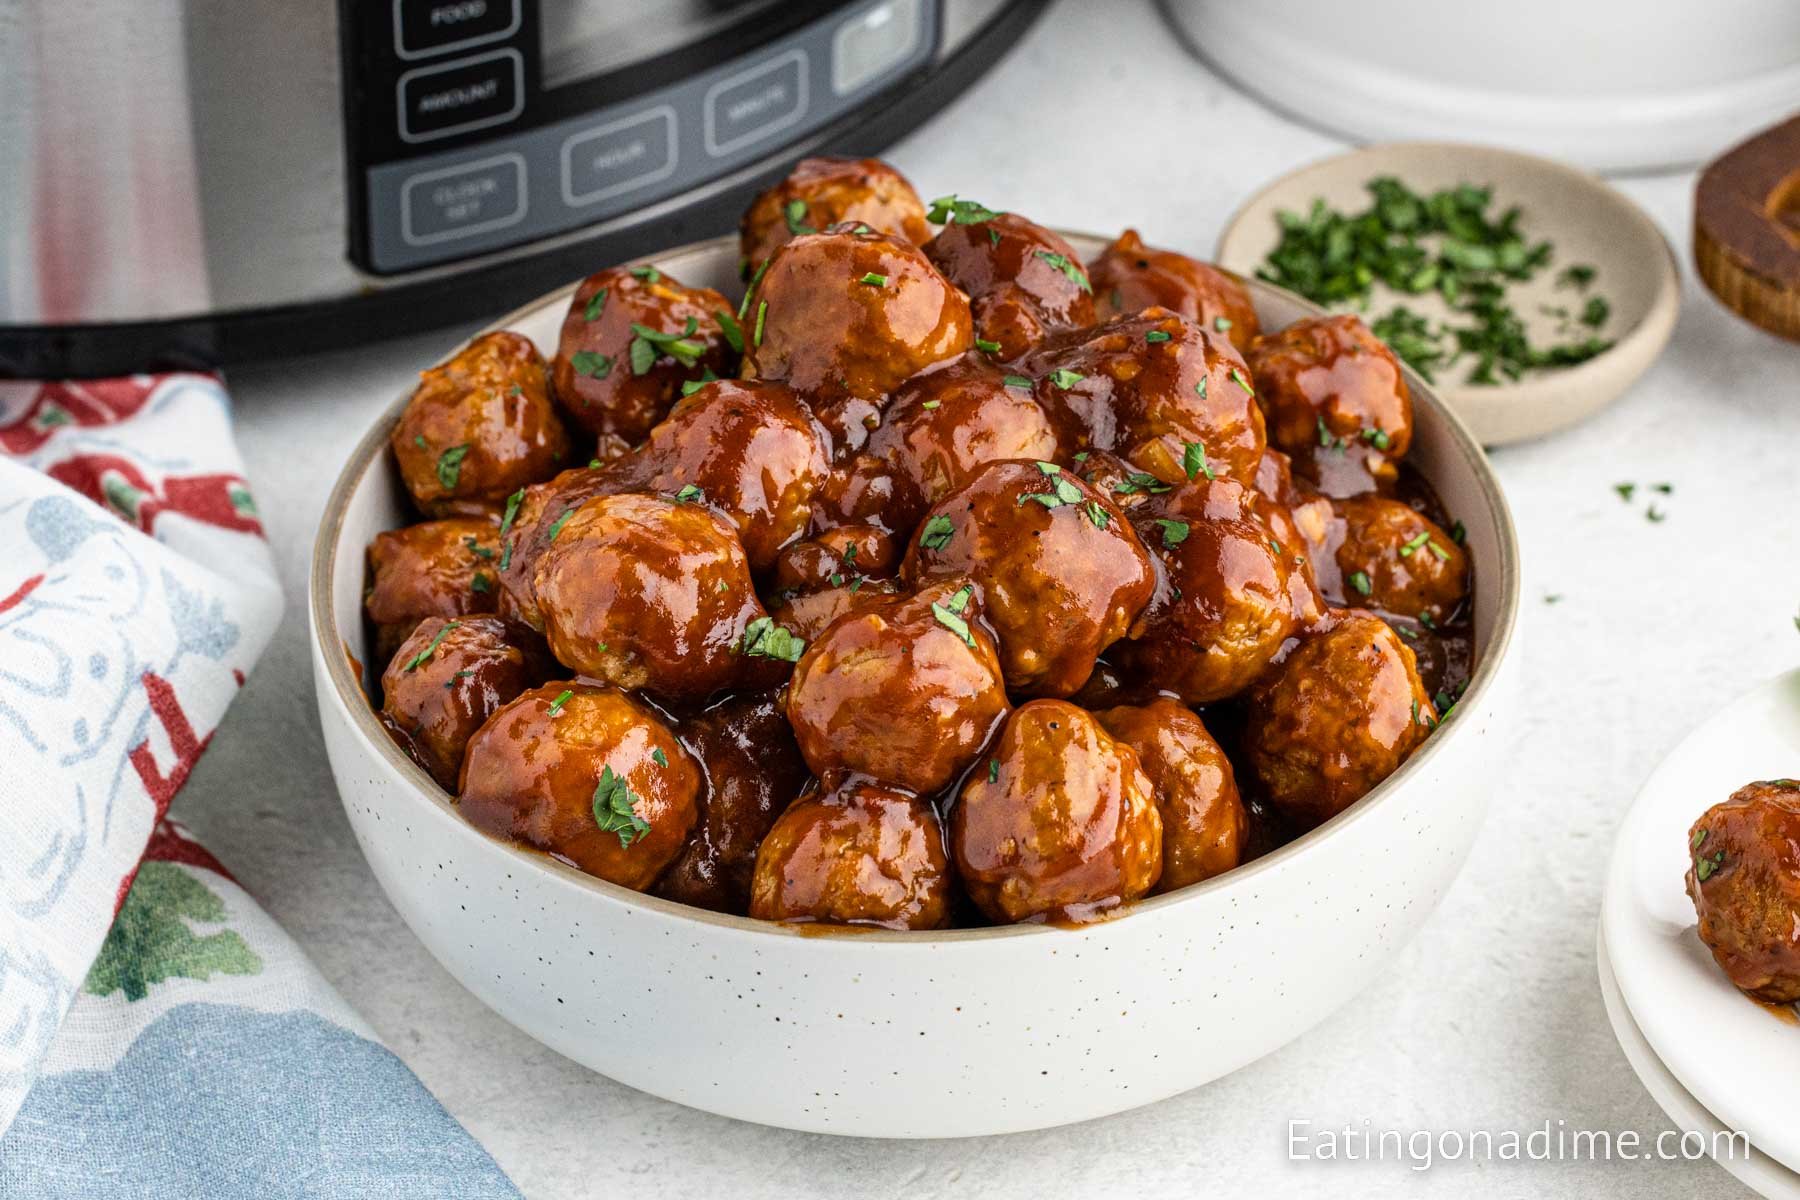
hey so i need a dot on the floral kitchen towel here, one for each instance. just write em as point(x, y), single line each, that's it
point(159, 1035)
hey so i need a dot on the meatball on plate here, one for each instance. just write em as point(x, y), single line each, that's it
point(1700, 920)
point(871, 759)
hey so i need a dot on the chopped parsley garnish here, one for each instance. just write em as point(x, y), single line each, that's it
point(1062, 377)
point(762, 310)
point(936, 533)
point(690, 494)
point(1062, 491)
point(744, 304)
point(763, 638)
point(679, 346)
point(987, 347)
point(1625, 491)
point(1193, 461)
point(449, 466)
point(615, 809)
point(1157, 335)
point(993, 770)
point(658, 757)
point(1655, 515)
point(950, 614)
point(595, 306)
point(1447, 243)
point(1062, 263)
point(476, 548)
point(1200, 388)
point(1595, 312)
point(1099, 516)
point(1459, 533)
point(930, 405)
point(556, 705)
point(1360, 581)
point(874, 279)
point(506, 523)
point(948, 210)
point(688, 389)
point(734, 333)
point(422, 657)
point(1413, 544)
point(1173, 532)
point(795, 212)
point(1443, 555)
point(1222, 324)
point(560, 522)
point(1377, 438)
point(481, 584)
point(419, 441)
point(1326, 439)
point(647, 274)
point(1237, 377)
point(594, 366)
point(1704, 866)
point(1018, 381)
point(1140, 481)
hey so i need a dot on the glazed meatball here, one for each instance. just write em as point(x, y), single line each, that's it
point(526, 524)
point(754, 452)
point(587, 775)
point(1226, 604)
point(444, 568)
point(906, 691)
point(1337, 716)
point(843, 317)
point(948, 421)
point(444, 681)
point(1204, 823)
point(478, 428)
point(646, 592)
point(822, 192)
point(1024, 283)
point(856, 854)
point(809, 613)
point(863, 491)
point(1336, 401)
point(750, 771)
point(1062, 823)
point(631, 338)
point(1395, 559)
point(1744, 877)
point(1130, 277)
point(1060, 571)
point(1276, 501)
point(1148, 388)
point(837, 557)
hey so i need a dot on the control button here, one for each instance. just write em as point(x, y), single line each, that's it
point(756, 103)
point(471, 93)
point(462, 201)
point(870, 43)
point(426, 27)
point(619, 156)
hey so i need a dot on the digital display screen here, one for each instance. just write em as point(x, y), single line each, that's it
point(586, 38)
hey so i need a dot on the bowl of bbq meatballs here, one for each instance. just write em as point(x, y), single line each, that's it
point(908, 671)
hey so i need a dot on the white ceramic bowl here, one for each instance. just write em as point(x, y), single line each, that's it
point(915, 1035)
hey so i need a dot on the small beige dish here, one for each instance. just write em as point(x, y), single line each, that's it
point(1583, 218)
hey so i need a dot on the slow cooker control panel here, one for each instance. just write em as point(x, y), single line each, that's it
point(457, 150)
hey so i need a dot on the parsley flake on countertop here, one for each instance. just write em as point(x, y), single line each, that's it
point(615, 809)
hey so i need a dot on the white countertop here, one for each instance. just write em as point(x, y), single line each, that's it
point(1491, 1019)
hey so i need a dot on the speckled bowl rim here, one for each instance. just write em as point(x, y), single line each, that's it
point(347, 693)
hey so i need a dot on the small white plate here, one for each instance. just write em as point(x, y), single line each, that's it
point(1757, 1171)
point(1740, 1060)
point(1585, 220)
